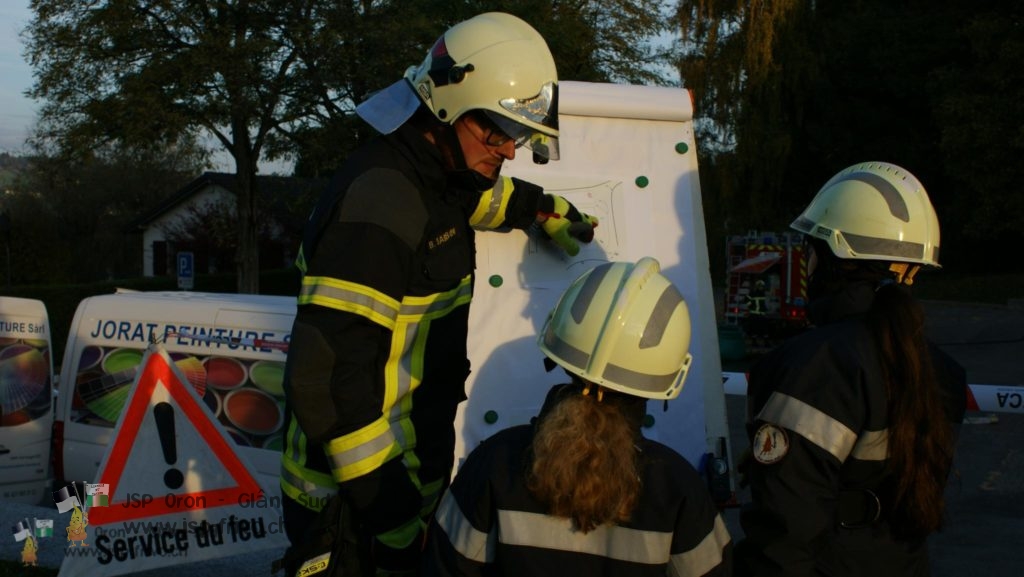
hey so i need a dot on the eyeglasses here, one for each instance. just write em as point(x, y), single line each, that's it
point(491, 135)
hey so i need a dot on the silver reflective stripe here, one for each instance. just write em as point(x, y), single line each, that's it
point(564, 350)
point(313, 291)
point(662, 313)
point(471, 543)
point(871, 245)
point(637, 380)
point(347, 458)
point(705, 556)
point(544, 532)
point(872, 446)
point(494, 207)
point(588, 291)
point(809, 423)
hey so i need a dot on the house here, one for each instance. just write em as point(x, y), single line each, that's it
point(199, 218)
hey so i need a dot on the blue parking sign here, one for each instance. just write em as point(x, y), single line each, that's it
point(186, 271)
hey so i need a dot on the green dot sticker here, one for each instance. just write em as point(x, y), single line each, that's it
point(495, 280)
point(642, 182)
point(491, 417)
point(648, 421)
point(682, 148)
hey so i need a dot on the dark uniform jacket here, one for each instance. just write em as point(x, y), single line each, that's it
point(818, 438)
point(377, 361)
point(489, 524)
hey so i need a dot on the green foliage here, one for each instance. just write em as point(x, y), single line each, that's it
point(148, 74)
point(68, 216)
point(348, 51)
point(791, 91)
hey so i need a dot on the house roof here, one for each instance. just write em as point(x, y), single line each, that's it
point(276, 194)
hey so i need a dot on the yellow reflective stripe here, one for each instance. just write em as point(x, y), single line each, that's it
point(402, 537)
point(872, 446)
point(471, 543)
point(310, 488)
point(490, 211)
point(430, 493)
point(362, 451)
point(810, 423)
point(349, 297)
point(295, 443)
point(705, 556)
point(430, 307)
point(524, 529)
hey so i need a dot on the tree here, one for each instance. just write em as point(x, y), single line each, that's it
point(147, 72)
point(794, 90)
point(68, 215)
point(278, 77)
point(350, 50)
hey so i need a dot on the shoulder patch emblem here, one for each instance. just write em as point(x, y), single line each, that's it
point(770, 444)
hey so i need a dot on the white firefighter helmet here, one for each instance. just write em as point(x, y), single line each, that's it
point(874, 211)
point(622, 326)
point(498, 64)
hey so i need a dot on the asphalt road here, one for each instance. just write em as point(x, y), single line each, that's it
point(985, 527)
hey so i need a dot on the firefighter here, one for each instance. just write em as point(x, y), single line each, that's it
point(853, 422)
point(377, 362)
point(581, 491)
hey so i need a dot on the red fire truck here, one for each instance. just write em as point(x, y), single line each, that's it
point(777, 260)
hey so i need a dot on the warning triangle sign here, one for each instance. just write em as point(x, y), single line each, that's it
point(137, 466)
point(175, 488)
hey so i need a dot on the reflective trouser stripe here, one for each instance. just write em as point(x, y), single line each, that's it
point(310, 488)
point(403, 536)
point(810, 423)
point(490, 210)
point(365, 450)
point(705, 556)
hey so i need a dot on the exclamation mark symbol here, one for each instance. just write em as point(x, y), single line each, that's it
point(164, 414)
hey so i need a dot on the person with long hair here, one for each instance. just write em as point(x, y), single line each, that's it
point(580, 491)
point(853, 423)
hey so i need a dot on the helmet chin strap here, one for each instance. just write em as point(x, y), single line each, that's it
point(904, 272)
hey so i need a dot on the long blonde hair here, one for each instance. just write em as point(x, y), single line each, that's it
point(585, 464)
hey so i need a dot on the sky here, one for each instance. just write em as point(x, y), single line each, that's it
point(18, 112)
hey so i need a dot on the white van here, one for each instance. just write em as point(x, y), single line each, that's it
point(26, 397)
point(230, 347)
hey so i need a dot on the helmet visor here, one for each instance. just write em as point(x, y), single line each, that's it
point(538, 142)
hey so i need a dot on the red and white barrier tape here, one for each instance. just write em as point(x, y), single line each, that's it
point(990, 398)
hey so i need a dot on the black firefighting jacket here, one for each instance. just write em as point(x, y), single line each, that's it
point(377, 362)
point(489, 524)
point(817, 422)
